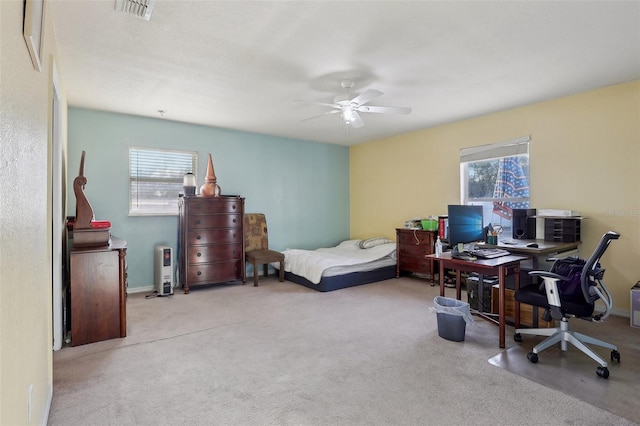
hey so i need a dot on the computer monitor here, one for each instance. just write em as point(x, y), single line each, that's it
point(465, 224)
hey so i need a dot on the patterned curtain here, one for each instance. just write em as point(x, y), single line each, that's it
point(510, 183)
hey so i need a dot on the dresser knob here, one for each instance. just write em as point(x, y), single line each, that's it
point(233, 207)
point(234, 220)
point(198, 222)
point(199, 273)
point(198, 254)
point(198, 237)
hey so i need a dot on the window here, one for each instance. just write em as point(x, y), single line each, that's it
point(155, 179)
point(497, 177)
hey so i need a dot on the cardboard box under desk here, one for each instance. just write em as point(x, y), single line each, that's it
point(526, 311)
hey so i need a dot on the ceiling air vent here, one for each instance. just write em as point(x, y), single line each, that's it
point(138, 8)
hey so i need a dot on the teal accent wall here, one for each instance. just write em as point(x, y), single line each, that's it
point(301, 186)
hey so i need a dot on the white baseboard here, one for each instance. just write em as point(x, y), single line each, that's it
point(150, 288)
point(145, 289)
point(621, 312)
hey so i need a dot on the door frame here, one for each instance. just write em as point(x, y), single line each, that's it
point(57, 214)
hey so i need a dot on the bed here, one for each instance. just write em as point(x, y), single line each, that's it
point(350, 263)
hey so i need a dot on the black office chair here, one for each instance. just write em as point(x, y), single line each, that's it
point(571, 289)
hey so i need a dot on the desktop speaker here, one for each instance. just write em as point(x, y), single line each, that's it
point(523, 224)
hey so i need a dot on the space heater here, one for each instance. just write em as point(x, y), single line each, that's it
point(164, 270)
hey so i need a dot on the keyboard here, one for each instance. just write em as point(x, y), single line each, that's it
point(464, 256)
point(488, 253)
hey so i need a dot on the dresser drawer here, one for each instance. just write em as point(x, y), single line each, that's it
point(214, 236)
point(213, 253)
point(218, 205)
point(415, 238)
point(415, 264)
point(214, 272)
point(413, 250)
point(198, 221)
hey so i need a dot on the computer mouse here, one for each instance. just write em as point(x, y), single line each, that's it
point(532, 245)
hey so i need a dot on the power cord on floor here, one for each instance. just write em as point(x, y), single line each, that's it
point(155, 293)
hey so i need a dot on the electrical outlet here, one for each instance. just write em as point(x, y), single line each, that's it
point(30, 402)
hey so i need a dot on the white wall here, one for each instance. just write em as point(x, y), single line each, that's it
point(25, 223)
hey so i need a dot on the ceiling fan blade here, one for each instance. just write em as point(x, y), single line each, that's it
point(384, 109)
point(366, 96)
point(335, 111)
point(357, 121)
point(317, 103)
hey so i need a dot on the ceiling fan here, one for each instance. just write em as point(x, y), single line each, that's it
point(349, 108)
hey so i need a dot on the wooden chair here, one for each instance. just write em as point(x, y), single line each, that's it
point(256, 240)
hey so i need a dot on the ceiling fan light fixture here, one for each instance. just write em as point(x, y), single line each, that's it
point(347, 84)
point(139, 8)
point(350, 107)
point(348, 115)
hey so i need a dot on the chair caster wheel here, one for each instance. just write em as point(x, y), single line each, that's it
point(517, 337)
point(533, 357)
point(602, 372)
point(615, 356)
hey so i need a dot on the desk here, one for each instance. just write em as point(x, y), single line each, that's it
point(545, 248)
point(501, 266)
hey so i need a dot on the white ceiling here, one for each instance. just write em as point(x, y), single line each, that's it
point(243, 64)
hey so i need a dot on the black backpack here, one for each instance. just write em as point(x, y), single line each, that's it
point(570, 267)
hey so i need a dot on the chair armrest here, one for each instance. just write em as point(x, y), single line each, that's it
point(553, 296)
point(550, 285)
point(548, 274)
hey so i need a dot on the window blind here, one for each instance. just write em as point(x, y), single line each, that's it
point(509, 148)
point(155, 179)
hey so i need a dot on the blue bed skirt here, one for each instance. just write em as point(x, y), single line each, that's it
point(343, 281)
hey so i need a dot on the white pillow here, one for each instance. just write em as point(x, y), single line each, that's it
point(347, 243)
point(373, 242)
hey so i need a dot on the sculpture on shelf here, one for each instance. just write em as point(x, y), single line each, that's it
point(210, 187)
point(86, 230)
point(84, 212)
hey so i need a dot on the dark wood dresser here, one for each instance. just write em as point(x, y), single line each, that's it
point(210, 232)
point(98, 292)
point(412, 247)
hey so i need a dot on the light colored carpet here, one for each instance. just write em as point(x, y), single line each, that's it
point(286, 355)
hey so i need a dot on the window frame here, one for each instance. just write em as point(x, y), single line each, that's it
point(497, 151)
point(140, 206)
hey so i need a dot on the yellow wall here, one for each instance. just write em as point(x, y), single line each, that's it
point(25, 221)
point(584, 156)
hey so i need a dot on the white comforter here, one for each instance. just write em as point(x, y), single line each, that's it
point(311, 263)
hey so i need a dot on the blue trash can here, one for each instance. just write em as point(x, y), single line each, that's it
point(452, 315)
